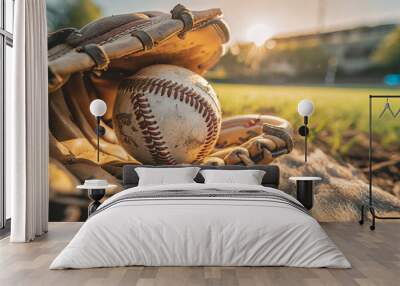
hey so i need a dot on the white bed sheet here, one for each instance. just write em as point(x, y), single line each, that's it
point(200, 232)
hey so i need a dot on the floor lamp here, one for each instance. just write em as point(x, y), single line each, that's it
point(98, 108)
point(305, 108)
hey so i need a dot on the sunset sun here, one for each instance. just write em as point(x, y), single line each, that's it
point(259, 33)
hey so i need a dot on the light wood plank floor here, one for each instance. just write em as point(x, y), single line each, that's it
point(375, 257)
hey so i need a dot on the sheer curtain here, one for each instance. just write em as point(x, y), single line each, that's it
point(27, 124)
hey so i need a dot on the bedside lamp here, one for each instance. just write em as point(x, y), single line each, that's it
point(305, 108)
point(98, 108)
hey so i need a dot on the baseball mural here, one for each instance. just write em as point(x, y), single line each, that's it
point(156, 102)
point(199, 86)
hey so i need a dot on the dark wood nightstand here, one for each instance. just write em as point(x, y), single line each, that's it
point(304, 192)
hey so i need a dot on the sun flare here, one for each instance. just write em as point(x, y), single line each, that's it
point(259, 33)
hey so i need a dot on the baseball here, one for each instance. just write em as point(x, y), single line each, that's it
point(166, 114)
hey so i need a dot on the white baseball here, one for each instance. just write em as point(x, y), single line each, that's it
point(166, 114)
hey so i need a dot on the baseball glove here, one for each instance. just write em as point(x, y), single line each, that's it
point(91, 62)
point(252, 139)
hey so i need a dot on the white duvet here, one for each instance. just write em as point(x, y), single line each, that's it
point(192, 231)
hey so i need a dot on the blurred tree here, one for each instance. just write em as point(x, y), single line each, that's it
point(297, 59)
point(240, 61)
point(388, 53)
point(71, 13)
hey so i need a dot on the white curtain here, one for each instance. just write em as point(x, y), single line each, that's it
point(27, 124)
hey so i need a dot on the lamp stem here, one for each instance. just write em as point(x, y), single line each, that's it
point(305, 147)
point(305, 138)
point(98, 140)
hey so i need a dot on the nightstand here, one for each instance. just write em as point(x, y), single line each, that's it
point(305, 190)
point(96, 191)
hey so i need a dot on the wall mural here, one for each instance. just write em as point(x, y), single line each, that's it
point(197, 86)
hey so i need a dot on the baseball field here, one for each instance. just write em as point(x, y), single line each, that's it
point(340, 112)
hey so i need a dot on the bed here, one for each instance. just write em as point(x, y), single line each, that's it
point(198, 224)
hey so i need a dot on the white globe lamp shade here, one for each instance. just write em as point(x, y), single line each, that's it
point(305, 107)
point(98, 107)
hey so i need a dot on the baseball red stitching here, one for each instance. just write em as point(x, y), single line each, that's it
point(154, 141)
point(148, 125)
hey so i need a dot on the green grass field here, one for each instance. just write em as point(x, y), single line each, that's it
point(337, 109)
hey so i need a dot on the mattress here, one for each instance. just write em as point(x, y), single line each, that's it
point(201, 225)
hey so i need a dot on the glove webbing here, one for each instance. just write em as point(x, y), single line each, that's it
point(180, 12)
point(144, 38)
point(97, 54)
point(280, 133)
point(61, 37)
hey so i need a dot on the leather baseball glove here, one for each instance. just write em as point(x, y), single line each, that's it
point(91, 62)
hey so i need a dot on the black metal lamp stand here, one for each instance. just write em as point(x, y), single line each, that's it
point(100, 131)
point(304, 131)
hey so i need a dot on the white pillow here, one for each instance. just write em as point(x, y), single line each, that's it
point(166, 176)
point(248, 177)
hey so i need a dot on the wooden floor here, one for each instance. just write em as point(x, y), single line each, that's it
point(375, 257)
